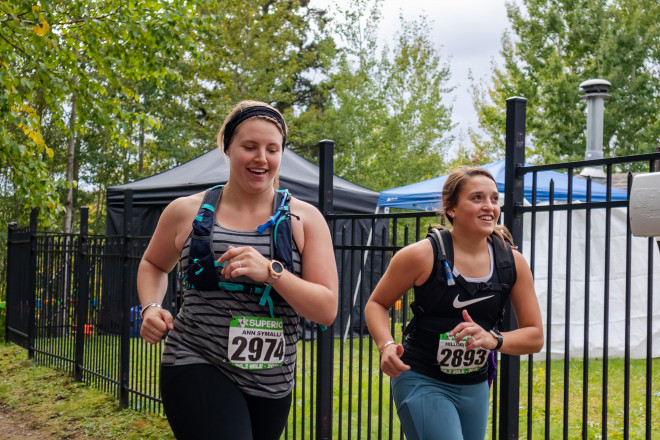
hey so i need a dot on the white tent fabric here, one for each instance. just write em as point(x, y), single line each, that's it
point(639, 276)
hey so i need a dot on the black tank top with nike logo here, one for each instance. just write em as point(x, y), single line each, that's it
point(438, 309)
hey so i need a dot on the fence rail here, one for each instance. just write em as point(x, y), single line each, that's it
point(72, 302)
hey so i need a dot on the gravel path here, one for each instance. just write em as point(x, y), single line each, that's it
point(14, 427)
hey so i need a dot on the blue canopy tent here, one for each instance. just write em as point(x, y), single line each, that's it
point(427, 195)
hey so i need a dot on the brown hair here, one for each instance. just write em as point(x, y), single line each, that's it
point(453, 187)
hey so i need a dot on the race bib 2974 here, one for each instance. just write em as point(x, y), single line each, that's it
point(256, 343)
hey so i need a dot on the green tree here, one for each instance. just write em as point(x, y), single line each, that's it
point(23, 153)
point(388, 115)
point(242, 50)
point(554, 47)
point(256, 49)
point(102, 93)
point(69, 66)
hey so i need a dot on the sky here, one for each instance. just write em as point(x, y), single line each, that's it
point(467, 33)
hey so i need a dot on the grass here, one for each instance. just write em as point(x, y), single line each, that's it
point(356, 384)
point(51, 400)
point(55, 404)
point(595, 401)
point(360, 387)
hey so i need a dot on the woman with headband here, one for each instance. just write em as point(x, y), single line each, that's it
point(462, 279)
point(229, 361)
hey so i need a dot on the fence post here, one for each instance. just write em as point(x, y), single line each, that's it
point(9, 279)
point(325, 338)
point(125, 338)
point(514, 192)
point(32, 280)
point(83, 292)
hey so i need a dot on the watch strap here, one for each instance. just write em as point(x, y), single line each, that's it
point(499, 338)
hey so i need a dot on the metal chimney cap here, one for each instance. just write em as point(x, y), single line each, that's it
point(595, 86)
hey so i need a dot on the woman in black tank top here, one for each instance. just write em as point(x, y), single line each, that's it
point(440, 370)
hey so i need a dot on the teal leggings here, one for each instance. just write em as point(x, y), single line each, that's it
point(431, 409)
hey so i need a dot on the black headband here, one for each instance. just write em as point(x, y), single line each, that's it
point(251, 112)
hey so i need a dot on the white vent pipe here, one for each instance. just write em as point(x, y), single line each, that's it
point(595, 92)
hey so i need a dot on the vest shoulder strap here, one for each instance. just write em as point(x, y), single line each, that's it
point(445, 249)
point(504, 262)
point(281, 231)
point(200, 272)
point(203, 223)
point(506, 272)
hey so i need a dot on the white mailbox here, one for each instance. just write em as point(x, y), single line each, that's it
point(644, 205)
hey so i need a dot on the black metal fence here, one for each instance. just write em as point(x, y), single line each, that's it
point(601, 286)
point(72, 302)
point(83, 318)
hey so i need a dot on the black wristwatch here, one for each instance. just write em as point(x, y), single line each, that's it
point(499, 338)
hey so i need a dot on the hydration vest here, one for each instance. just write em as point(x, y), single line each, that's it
point(504, 265)
point(201, 272)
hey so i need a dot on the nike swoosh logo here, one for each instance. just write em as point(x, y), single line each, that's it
point(460, 304)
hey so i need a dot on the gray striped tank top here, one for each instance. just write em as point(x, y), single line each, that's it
point(201, 328)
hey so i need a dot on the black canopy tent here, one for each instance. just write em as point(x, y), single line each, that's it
point(152, 194)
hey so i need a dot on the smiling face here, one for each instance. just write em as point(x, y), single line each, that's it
point(255, 154)
point(476, 210)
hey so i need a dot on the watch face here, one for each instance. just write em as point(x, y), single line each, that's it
point(277, 267)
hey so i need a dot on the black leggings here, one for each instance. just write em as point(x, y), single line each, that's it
point(201, 402)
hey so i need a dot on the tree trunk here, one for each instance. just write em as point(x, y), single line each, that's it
point(141, 149)
point(70, 157)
